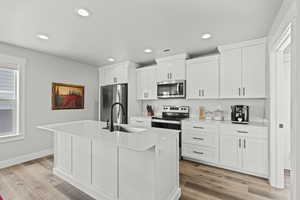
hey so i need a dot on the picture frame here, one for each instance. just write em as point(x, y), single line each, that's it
point(67, 96)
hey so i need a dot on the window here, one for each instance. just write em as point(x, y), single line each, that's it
point(10, 101)
point(9, 113)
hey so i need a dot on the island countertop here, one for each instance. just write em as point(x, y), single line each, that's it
point(143, 140)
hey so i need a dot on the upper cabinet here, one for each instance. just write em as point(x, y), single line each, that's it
point(203, 77)
point(114, 74)
point(146, 82)
point(171, 68)
point(242, 70)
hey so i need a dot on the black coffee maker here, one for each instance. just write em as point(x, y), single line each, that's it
point(240, 114)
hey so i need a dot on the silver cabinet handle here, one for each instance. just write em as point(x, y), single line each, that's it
point(240, 143)
point(244, 143)
point(239, 91)
point(199, 127)
point(115, 80)
point(202, 92)
point(198, 152)
point(197, 138)
point(242, 131)
point(139, 121)
point(199, 92)
point(171, 75)
point(146, 95)
point(244, 91)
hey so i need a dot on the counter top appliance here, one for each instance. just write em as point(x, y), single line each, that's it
point(240, 114)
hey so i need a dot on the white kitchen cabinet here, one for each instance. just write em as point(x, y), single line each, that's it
point(255, 155)
point(63, 150)
point(105, 168)
point(243, 70)
point(245, 149)
point(254, 71)
point(113, 74)
point(81, 157)
point(230, 151)
point(200, 142)
point(147, 83)
point(231, 73)
point(203, 77)
point(171, 68)
point(242, 148)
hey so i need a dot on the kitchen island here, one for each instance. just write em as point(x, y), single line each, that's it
point(139, 164)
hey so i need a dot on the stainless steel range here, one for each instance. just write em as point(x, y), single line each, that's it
point(171, 119)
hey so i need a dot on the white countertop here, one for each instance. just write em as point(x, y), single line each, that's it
point(262, 123)
point(140, 141)
point(227, 122)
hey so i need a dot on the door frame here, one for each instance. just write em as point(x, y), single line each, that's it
point(276, 139)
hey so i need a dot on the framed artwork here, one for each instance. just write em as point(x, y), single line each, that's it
point(67, 96)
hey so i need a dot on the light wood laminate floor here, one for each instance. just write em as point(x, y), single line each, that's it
point(34, 181)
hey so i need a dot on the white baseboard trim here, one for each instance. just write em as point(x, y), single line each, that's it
point(25, 158)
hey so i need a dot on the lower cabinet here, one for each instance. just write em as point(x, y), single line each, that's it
point(82, 159)
point(230, 151)
point(236, 147)
point(247, 153)
point(255, 155)
point(63, 151)
point(104, 168)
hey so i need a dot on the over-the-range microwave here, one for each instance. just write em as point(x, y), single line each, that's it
point(171, 89)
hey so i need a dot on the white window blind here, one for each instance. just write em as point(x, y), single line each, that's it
point(8, 101)
point(7, 84)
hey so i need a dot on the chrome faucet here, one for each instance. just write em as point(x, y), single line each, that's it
point(112, 117)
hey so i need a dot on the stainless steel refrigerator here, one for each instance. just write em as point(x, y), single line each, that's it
point(111, 94)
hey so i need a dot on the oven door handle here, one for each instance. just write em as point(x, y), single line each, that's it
point(166, 121)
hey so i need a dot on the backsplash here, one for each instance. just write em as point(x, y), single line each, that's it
point(256, 107)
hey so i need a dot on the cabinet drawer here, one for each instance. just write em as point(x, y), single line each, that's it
point(242, 130)
point(200, 153)
point(205, 139)
point(199, 127)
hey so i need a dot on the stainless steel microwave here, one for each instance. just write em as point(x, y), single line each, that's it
point(171, 89)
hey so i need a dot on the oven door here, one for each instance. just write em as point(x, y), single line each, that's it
point(158, 123)
point(173, 89)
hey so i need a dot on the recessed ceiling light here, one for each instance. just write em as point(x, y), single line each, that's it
point(83, 12)
point(111, 59)
point(148, 50)
point(43, 36)
point(206, 36)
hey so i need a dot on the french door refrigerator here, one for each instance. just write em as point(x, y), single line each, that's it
point(109, 95)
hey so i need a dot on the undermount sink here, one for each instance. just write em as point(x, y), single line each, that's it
point(126, 129)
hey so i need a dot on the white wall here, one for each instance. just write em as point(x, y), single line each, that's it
point(41, 70)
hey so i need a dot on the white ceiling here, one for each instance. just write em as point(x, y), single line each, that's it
point(124, 28)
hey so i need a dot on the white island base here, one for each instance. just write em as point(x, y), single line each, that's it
point(118, 165)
